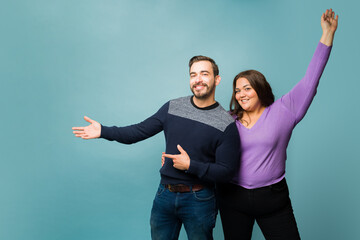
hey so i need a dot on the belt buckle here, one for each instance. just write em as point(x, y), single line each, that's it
point(170, 187)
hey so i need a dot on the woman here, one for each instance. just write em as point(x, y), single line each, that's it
point(259, 190)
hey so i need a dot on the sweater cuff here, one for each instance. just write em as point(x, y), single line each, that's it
point(323, 50)
point(195, 168)
point(105, 132)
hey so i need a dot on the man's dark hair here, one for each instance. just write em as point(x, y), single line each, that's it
point(204, 58)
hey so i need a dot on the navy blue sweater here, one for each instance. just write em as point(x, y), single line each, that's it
point(209, 136)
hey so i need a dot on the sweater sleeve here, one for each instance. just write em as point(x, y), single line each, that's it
point(298, 100)
point(227, 158)
point(137, 132)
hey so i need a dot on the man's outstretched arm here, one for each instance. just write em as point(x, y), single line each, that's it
point(128, 134)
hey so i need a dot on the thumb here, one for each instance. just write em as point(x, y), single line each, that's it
point(181, 150)
point(88, 119)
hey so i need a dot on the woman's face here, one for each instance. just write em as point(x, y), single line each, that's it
point(246, 95)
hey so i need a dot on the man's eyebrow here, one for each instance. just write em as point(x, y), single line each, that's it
point(202, 71)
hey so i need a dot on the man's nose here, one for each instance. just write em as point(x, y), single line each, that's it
point(198, 79)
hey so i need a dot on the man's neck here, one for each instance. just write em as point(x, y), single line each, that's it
point(203, 103)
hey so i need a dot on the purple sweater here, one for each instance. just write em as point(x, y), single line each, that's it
point(264, 146)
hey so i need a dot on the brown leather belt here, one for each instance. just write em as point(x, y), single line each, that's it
point(183, 188)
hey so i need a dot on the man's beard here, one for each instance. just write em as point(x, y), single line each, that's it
point(209, 91)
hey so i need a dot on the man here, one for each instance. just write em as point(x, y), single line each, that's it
point(209, 135)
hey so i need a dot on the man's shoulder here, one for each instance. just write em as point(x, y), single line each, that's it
point(180, 104)
point(181, 100)
point(221, 111)
point(221, 118)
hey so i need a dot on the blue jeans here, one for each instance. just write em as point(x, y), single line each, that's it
point(196, 210)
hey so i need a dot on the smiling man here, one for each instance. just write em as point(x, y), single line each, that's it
point(198, 124)
point(203, 80)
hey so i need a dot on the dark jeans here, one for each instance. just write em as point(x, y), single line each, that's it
point(270, 206)
point(196, 210)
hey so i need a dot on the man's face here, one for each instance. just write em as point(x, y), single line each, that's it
point(202, 79)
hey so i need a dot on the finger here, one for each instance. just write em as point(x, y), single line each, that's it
point(78, 128)
point(88, 119)
point(78, 132)
point(326, 16)
point(86, 137)
point(172, 156)
point(162, 161)
point(337, 17)
point(79, 135)
point(181, 150)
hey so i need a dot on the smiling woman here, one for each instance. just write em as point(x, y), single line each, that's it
point(259, 190)
point(251, 96)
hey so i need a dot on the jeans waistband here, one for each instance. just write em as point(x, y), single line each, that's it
point(182, 188)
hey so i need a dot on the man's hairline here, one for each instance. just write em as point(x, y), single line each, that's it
point(205, 60)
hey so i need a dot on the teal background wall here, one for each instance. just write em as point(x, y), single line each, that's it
point(118, 62)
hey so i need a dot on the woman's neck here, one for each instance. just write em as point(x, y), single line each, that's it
point(249, 118)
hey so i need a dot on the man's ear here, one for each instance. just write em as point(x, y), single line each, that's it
point(217, 80)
